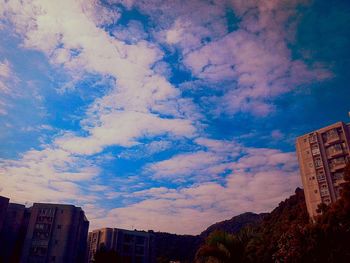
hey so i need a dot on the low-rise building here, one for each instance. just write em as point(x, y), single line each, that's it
point(131, 245)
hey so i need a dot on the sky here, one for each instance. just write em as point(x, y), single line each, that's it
point(165, 115)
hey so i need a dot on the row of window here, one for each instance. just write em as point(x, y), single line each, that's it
point(44, 218)
point(139, 250)
point(41, 226)
point(47, 211)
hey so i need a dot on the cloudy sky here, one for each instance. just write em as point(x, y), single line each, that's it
point(165, 115)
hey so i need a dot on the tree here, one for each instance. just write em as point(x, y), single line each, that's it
point(222, 247)
point(103, 255)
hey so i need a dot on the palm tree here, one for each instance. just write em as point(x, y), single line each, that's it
point(220, 247)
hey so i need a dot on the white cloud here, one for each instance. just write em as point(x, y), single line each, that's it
point(48, 175)
point(214, 158)
point(67, 33)
point(8, 80)
point(143, 104)
point(262, 69)
point(179, 167)
point(5, 69)
point(255, 56)
point(123, 128)
point(132, 33)
point(191, 209)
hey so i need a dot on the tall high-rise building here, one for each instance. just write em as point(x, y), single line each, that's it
point(131, 246)
point(56, 233)
point(13, 232)
point(4, 202)
point(322, 156)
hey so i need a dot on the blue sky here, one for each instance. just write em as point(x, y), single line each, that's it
point(165, 115)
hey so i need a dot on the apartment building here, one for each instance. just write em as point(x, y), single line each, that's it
point(13, 232)
point(4, 202)
point(56, 233)
point(131, 246)
point(322, 156)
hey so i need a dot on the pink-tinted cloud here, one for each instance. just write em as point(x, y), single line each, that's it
point(48, 175)
point(255, 57)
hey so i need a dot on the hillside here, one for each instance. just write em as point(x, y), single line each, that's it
point(269, 226)
point(235, 224)
point(183, 247)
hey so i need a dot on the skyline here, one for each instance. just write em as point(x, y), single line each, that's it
point(165, 116)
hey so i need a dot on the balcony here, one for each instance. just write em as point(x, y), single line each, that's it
point(332, 139)
point(335, 150)
point(337, 164)
point(339, 182)
point(335, 153)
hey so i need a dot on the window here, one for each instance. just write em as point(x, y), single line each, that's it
point(324, 192)
point(59, 226)
point(318, 162)
point(140, 240)
point(139, 250)
point(315, 150)
point(39, 226)
point(128, 238)
point(126, 248)
point(312, 138)
point(326, 200)
point(320, 175)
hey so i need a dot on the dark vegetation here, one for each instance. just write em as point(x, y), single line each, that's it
point(284, 235)
point(235, 224)
point(106, 256)
point(172, 247)
point(287, 235)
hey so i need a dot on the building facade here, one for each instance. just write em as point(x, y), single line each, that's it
point(4, 202)
point(131, 246)
point(56, 233)
point(322, 157)
point(13, 232)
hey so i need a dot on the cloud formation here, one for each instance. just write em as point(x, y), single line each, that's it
point(6, 74)
point(254, 55)
point(145, 143)
point(190, 210)
point(48, 175)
